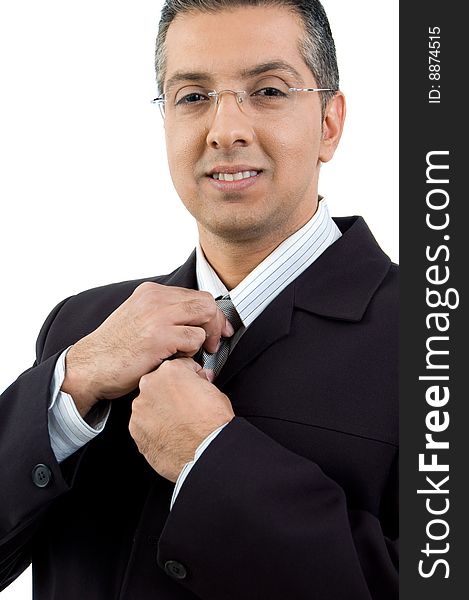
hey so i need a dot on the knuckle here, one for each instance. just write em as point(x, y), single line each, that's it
point(166, 365)
point(195, 336)
point(193, 307)
point(200, 335)
point(208, 303)
point(188, 333)
point(203, 306)
point(144, 287)
point(207, 298)
point(169, 372)
point(147, 288)
point(144, 384)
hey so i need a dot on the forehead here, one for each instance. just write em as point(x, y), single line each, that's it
point(228, 42)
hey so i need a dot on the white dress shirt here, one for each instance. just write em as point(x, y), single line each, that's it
point(69, 432)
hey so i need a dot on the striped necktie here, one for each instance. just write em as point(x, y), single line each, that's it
point(214, 362)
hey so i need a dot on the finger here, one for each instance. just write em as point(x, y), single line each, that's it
point(179, 340)
point(190, 364)
point(206, 374)
point(164, 293)
point(175, 368)
point(187, 364)
point(167, 294)
point(180, 306)
point(216, 328)
point(228, 329)
point(202, 312)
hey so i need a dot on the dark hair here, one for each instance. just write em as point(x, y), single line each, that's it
point(317, 47)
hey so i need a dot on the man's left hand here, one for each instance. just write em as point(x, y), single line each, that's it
point(177, 408)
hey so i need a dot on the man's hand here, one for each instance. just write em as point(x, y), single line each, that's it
point(153, 324)
point(177, 408)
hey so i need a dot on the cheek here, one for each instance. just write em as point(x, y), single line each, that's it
point(295, 156)
point(182, 158)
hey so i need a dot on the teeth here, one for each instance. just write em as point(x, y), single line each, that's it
point(234, 176)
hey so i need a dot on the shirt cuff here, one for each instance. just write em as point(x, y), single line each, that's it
point(188, 466)
point(68, 431)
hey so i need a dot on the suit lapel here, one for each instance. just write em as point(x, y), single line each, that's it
point(259, 336)
point(339, 285)
point(344, 279)
point(184, 276)
point(272, 325)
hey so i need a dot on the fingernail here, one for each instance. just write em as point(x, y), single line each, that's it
point(229, 327)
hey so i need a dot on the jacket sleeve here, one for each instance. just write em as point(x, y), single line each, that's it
point(265, 522)
point(26, 459)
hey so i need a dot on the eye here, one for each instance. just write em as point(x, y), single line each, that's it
point(270, 92)
point(191, 98)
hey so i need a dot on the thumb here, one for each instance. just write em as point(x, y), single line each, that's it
point(206, 374)
point(191, 365)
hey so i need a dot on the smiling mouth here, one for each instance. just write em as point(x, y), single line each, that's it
point(234, 176)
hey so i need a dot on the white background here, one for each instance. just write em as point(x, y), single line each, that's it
point(85, 193)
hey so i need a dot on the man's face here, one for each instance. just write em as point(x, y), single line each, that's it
point(286, 149)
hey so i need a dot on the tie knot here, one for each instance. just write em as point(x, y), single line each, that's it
point(228, 309)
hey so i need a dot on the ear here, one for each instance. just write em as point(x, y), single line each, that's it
point(332, 127)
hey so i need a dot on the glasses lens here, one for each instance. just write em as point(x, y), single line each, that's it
point(190, 97)
point(269, 95)
point(266, 95)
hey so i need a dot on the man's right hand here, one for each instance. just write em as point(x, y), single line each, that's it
point(153, 324)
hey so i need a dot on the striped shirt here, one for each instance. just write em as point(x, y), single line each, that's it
point(276, 271)
point(258, 289)
point(68, 431)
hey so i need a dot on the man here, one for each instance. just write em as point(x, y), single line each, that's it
point(166, 445)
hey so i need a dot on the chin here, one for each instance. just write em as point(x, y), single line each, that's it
point(235, 230)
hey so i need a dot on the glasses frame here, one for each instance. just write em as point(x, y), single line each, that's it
point(161, 100)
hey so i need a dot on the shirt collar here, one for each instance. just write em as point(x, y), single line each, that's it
point(257, 290)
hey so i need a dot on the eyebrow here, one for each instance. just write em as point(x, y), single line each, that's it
point(265, 67)
point(273, 65)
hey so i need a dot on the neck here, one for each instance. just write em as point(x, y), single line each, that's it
point(233, 260)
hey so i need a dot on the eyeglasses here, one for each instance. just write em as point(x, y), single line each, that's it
point(267, 96)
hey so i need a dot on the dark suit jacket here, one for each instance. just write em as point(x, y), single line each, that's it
point(295, 499)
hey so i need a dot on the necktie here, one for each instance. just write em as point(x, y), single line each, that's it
point(215, 361)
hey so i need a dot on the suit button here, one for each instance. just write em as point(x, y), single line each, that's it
point(175, 569)
point(41, 475)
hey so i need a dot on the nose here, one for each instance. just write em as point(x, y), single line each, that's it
point(229, 126)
